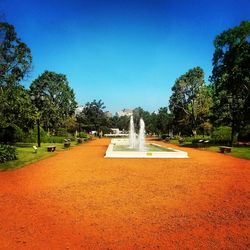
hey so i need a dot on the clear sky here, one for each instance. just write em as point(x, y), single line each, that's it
point(126, 52)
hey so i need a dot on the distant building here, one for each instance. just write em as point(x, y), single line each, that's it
point(125, 112)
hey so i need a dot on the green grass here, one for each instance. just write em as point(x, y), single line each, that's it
point(239, 152)
point(26, 154)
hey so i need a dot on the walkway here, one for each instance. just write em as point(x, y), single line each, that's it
point(79, 200)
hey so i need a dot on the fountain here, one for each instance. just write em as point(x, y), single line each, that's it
point(132, 134)
point(141, 138)
point(135, 146)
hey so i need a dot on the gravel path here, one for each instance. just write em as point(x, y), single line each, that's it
point(79, 200)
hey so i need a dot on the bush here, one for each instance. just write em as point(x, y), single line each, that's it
point(7, 153)
point(31, 136)
point(83, 135)
point(62, 132)
point(222, 135)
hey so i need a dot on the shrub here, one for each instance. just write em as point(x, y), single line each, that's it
point(31, 136)
point(62, 132)
point(83, 135)
point(222, 135)
point(7, 153)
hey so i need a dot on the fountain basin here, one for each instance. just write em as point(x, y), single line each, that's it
point(119, 148)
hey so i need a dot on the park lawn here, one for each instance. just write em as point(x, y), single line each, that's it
point(27, 155)
point(239, 152)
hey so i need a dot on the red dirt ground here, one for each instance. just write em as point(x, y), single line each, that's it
point(79, 200)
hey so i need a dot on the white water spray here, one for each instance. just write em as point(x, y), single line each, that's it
point(141, 138)
point(132, 135)
point(133, 141)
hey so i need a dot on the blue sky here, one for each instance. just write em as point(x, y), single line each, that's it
point(127, 53)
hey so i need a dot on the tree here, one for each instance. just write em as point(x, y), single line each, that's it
point(164, 120)
point(121, 122)
point(53, 98)
point(93, 116)
point(145, 115)
point(15, 56)
point(16, 110)
point(231, 77)
point(190, 102)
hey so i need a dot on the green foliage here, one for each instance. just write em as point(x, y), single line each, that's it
point(190, 102)
point(222, 135)
point(57, 139)
point(206, 128)
point(92, 116)
point(121, 122)
point(164, 120)
point(53, 98)
point(62, 132)
point(7, 153)
point(31, 136)
point(231, 77)
point(15, 57)
point(83, 135)
point(16, 108)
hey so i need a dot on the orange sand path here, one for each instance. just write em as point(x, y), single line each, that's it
point(79, 200)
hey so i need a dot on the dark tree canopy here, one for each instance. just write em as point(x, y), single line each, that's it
point(58, 102)
point(92, 116)
point(15, 56)
point(164, 120)
point(16, 110)
point(231, 77)
point(190, 101)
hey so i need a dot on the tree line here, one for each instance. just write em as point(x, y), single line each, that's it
point(195, 107)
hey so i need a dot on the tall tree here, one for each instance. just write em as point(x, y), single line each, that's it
point(190, 101)
point(15, 56)
point(16, 110)
point(53, 98)
point(231, 77)
point(93, 116)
